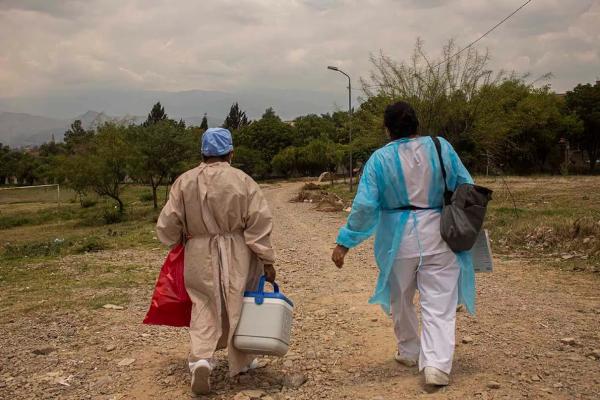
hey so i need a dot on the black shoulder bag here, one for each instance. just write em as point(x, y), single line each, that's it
point(463, 212)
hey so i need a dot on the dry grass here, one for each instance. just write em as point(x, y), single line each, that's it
point(557, 218)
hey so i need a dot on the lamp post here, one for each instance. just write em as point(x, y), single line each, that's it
point(349, 116)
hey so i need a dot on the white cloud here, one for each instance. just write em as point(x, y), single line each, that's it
point(248, 45)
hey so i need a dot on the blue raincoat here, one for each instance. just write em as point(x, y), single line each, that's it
point(381, 191)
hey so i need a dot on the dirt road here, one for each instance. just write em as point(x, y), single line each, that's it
point(536, 333)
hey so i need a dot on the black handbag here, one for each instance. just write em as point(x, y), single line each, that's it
point(464, 210)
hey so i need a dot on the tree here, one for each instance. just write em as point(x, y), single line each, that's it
point(76, 136)
point(320, 155)
point(442, 92)
point(204, 123)
point(286, 162)
point(270, 113)
point(250, 161)
point(315, 157)
point(156, 115)
point(157, 151)
point(490, 118)
point(312, 126)
point(236, 119)
point(432, 86)
point(26, 167)
point(6, 169)
point(519, 127)
point(269, 135)
point(102, 167)
point(584, 100)
point(74, 171)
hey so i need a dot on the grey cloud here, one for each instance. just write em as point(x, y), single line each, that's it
point(254, 45)
point(58, 9)
point(424, 4)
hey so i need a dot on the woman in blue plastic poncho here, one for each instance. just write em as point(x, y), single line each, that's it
point(399, 199)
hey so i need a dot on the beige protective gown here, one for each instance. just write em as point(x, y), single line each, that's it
point(229, 221)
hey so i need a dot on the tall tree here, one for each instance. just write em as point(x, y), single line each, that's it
point(6, 167)
point(269, 135)
point(236, 119)
point(441, 91)
point(102, 166)
point(76, 136)
point(312, 126)
point(204, 123)
point(156, 115)
point(584, 100)
point(157, 151)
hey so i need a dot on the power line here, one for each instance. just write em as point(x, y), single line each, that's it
point(484, 35)
point(478, 39)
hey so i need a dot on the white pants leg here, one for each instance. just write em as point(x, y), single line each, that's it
point(437, 281)
point(403, 284)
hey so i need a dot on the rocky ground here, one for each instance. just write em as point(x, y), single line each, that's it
point(536, 333)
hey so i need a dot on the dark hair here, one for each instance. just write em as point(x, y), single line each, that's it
point(401, 120)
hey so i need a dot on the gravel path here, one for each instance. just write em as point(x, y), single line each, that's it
point(536, 334)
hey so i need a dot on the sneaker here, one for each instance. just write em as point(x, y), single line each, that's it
point(434, 376)
point(201, 377)
point(253, 365)
point(409, 362)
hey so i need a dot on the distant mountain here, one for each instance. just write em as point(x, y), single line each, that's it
point(18, 127)
point(92, 119)
point(287, 103)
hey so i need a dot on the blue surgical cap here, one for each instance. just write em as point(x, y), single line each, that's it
point(216, 142)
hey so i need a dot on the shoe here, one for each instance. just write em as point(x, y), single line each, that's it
point(253, 365)
point(409, 362)
point(201, 377)
point(434, 376)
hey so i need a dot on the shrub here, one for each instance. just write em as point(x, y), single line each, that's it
point(87, 203)
point(112, 216)
point(12, 221)
point(146, 197)
point(90, 244)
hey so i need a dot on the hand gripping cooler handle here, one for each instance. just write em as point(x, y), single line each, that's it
point(259, 299)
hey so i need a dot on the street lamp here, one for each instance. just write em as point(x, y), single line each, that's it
point(349, 116)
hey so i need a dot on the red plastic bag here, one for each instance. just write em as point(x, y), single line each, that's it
point(171, 304)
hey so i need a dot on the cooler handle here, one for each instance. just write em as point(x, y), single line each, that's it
point(259, 299)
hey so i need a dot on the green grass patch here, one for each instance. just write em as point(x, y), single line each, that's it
point(146, 197)
point(52, 284)
point(46, 215)
point(40, 244)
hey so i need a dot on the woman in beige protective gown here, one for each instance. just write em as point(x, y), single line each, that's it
point(224, 219)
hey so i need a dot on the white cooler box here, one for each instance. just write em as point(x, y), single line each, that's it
point(265, 324)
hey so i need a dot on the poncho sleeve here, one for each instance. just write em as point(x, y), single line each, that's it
point(364, 217)
point(170, 224)
point(457, 172)
point(259, 225)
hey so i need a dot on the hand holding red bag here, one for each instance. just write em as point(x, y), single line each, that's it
point(171, 305)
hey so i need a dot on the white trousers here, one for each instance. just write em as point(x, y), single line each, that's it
point(437, 281)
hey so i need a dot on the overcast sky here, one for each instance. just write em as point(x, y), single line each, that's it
point(233, 45)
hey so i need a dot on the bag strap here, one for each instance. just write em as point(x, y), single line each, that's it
point(438, 148)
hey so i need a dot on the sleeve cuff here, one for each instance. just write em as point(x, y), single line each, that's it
point(347, 238)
